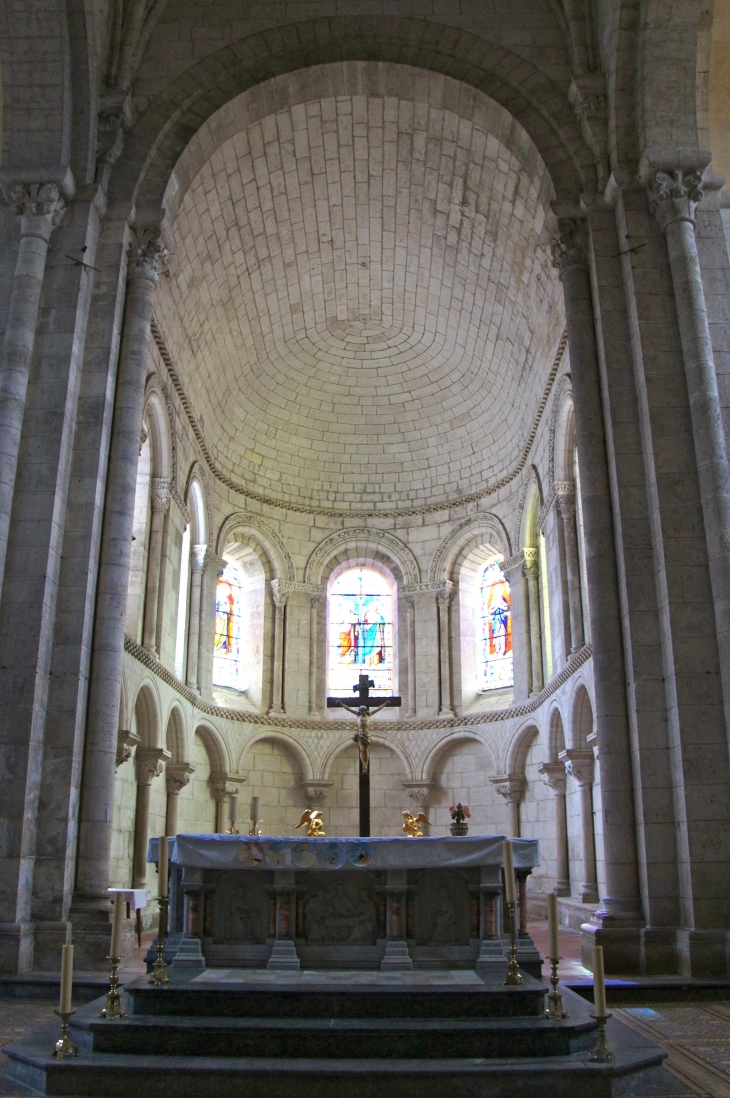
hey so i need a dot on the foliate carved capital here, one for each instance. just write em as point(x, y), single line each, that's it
point(316, 792)
point(148, 763)
point(160, 493)
point(530, 557)
point(148, 256)
point(223, 785)
point(570, 245)
point(579, 762)
point(444, 594)
point(510, 786)
point(418, 791)
point(39, 205)
point(126, 741)
point(565, 495)
point(197, 557)
point(177, 776)
point(554, 776)
point(673, 196)
point(279, 593)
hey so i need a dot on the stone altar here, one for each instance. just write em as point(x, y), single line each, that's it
point(388, 903)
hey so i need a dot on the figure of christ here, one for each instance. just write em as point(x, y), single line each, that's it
point(362, 736)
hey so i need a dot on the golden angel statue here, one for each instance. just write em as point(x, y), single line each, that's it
point(412, 824)
point(313, 817)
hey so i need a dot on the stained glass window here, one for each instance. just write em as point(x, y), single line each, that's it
point(496, 629)
point(228, 663)
point(360, 631)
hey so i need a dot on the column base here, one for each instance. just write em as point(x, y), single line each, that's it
point(49, 938)
point(702, 953)
point(658, 950)
point(16, 947)
point(284, 955)
point(189, 958)
point(621, 947)
point(91, 933)
point(396, 957)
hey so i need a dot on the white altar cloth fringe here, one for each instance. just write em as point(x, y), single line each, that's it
point(242, 852)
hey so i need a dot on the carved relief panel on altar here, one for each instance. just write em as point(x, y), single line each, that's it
point(241, 909)
point(343, 911)
point(441, 908)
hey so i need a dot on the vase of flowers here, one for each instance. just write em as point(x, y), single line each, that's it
point(459, 815)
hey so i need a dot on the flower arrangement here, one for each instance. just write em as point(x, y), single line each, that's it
point(460, 812)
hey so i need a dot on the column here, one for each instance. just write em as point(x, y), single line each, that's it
point(314, 607)
point(284, 952)
point(147, 259)
point(177, 776)
point(410, 605)
point(396, 957)
point(277, 685)
point(512, 788)
point(160, 502)
point(147, 767)
point(221, 788)
point(579, 763)
point(213, 568)
point(443, 599)
point(553, 774)
point(490, 921)
point(565, 493)
point(197, 567)
point(40, 209)
point(620, 910)
point(532, 574)
point(673, 199)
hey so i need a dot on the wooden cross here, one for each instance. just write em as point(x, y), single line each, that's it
point(360, 707)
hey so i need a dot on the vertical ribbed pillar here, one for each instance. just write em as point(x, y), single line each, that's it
point(314, 605)
point(160, 502)
point(147, 767)
point(565, 492)
point(554, 776)
point(277, 685)
point(197, 566)
point(410, 602)
point(533, 604)
point(443, 600)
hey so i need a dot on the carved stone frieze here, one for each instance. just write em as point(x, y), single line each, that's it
point(419, 791)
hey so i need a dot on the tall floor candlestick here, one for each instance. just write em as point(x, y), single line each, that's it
point(601, 1051)
point(159, 974)
point(64, 1045)
point(113, 1008)
point(555, 1009)
point(514, 976)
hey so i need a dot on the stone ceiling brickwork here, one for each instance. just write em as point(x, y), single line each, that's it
point(362, 306)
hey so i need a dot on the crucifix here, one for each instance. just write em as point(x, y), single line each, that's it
point(360, 708)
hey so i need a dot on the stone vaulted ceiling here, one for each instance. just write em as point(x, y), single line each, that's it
point(362, 308)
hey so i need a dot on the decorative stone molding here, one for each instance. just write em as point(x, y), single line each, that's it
point(148, 256)
point(316, 792)
point(287, 587)
point(212, 560)
point(592, 741)
point(177, 776)
point(517, 561)
point(443, 594)
point(579, 762)
point(673, 196)
point(419, 791)
point(148, 763)
point(510, 786)
point(393, 545)
point(412, 589)
point(198, 555)
point(554, 776)
point(126, 741)
point(160, 493)
point(570, 245)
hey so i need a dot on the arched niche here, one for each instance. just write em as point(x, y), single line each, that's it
point(175, 740)
point(581, 720)
point(556, 735)
point(276, 766)
point(388, 798)
point(147, 723)
point(460, 767)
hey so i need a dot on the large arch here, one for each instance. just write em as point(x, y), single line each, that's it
point(248, 529)
point(215, 746)
point(147, 714)
point(519, 748)
point(467, 535)
point(175, 738)
point(290, 742)
point(581, 717)
point(362, 545)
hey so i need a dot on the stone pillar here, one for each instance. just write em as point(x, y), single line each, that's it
point(147, 259)
point(553, 774)
point(512, 788)
point(284, 952)
point(396, 957)
point(221, 789)
point(620, 911)
point(277, 685)
point(532, 574)
point(410, 605)
point(197, 567)
point(314, 608)
point(565, 492)
point(213, 569)
point(579, 763)
point(160, 501)
point(40, 208)
point(443, 599)
point(147, 766)
point(177, 776)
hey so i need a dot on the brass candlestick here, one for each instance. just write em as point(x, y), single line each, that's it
point(64, 1044)
point(113, 1008)
point(254, 830)
point(159, 973)
point(514, 976)
point(601, 1051)
point(555, 1009)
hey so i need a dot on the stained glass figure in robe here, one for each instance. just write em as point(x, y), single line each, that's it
point(496, 628)
point(360, 631)
point(228, 661)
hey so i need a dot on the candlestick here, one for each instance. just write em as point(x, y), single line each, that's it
point(553, 927)
point(510, 894)
point(67, 972)
point(113, 1008)
point(163, 862)
point(116, 944)
point(555, 1009)
point(64, 1045)
point(514, 976)
point(601, 1052)
point(599, 983)
point(159, 974)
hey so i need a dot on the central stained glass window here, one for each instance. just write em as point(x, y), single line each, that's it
point(360, 631)
point(496, 628)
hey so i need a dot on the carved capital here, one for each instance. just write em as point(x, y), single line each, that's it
point(177, 776)
point(148, 763)
point(530, 557)
point(279, 593)
point(444, 594)
point(570, 245)
point(419, 791)
point(554, 776)
point(223, 785)
point(40, 206)
point(160, 493)
point(565, 495)
point(316, 792)
point(579, 762)
point(126, 741)
point(510, 786)
point(148, 256)
point(673, 196)
point(197, 557)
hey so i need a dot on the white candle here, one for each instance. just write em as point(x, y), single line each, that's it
point(254, 809)
point(599, 984)
point(233, 816)
point(67, 974)
point(116, 949)
point(509, 872)
point(162, 865)
point(553, 935)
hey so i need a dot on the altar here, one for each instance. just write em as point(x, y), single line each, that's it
point(324, 903)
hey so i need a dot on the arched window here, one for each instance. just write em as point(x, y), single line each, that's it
point(361, 632)
point(229, 667)
point(496, 628)
point(182, 604)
